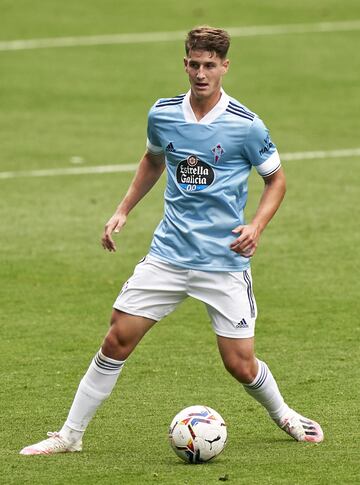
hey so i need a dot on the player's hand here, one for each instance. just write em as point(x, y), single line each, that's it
point(114, 224)
point(247, 242)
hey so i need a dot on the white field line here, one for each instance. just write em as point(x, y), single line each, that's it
point(345, 152)
point(146, 37)
point(100, 169)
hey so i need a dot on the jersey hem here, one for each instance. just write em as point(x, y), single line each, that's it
point(223, 269)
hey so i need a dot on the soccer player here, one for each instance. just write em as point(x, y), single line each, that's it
point(207, 142)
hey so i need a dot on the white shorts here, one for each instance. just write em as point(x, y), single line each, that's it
point(156, 288)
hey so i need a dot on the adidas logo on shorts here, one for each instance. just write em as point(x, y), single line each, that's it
point(242, 324)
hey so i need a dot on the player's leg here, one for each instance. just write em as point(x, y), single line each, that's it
point(125, 333)
point(232, 308)
point(239, 359)
point(154, 290)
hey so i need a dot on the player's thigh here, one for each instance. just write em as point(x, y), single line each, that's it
point(153, 291)
point(229, 300)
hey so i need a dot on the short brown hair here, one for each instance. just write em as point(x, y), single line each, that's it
point(205, 38)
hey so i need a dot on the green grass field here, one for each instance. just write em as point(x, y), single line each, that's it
point(58, 285)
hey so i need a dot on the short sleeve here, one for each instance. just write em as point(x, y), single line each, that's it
point(153, 142)
point(260, 150)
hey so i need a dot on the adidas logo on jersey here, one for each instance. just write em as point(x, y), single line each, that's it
point(170, 147)
point(242, 324)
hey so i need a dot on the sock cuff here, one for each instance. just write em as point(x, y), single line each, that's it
point(106, 365)
point(261, 376)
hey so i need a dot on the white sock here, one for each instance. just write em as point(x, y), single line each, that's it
point(265, 390)
point(94, 388)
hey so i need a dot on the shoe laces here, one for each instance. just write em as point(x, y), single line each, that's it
point(53, 434)
point(300, 427)
point(293, 426)
point(54, 440)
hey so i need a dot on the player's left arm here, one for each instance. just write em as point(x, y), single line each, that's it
point(272, 196)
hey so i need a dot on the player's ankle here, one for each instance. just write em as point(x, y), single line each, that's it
point(71, 435)
point(280, 413)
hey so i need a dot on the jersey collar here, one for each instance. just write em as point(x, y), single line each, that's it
point(217, 110)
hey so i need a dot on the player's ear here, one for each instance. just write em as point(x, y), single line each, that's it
point(186, 62)
point(225, 66)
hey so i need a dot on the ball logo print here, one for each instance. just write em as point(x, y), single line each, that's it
point(197, 434)
point(193, 174)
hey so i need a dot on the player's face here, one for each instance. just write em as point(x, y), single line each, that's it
point(205, 70)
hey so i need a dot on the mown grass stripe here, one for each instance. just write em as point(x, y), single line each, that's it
point(130, 167)
point(147, 37)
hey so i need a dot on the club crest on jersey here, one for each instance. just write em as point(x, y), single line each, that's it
point(217, 151)
point(192, 174)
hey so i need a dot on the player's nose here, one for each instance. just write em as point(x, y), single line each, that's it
point(200, 74)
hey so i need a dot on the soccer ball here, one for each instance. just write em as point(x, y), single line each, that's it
point(197, 434)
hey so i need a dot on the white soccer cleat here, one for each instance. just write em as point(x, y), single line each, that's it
point(301, 428)
point(54, 444)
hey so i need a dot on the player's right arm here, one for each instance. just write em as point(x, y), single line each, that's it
point(150, 168)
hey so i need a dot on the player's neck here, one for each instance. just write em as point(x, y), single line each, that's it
point(202, 106)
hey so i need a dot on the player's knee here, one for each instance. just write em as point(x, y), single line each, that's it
point(124, 334)
point(111, 340)
point(242, 370)
point(115, 345)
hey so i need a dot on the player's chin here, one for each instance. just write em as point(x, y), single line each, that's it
point(201, 90)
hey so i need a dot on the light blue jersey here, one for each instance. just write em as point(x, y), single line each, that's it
point(208, 165)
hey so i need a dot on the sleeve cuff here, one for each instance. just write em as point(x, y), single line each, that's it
point(270, 166)
point(153, 148)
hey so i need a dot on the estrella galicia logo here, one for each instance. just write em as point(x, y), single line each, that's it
point(193, 174)
point(267, 146)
